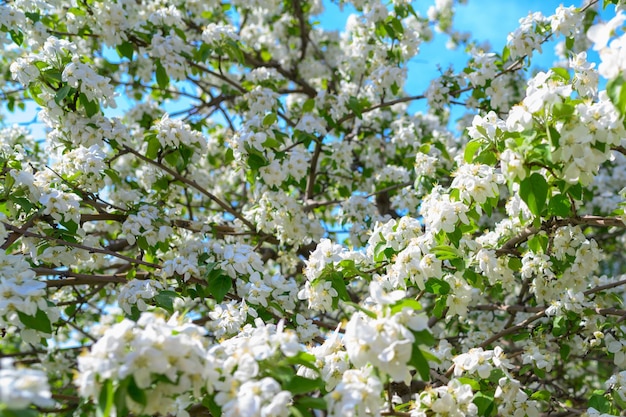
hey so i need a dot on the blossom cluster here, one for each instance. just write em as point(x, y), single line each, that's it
point(268, 227)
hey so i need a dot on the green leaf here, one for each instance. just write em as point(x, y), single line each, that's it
point(600, 403)
point(126, 49)
point(311, 402)
point(26, 412)
point(425, 337)
point(520, 336)
point(161, 76)
point(440, 306)
point(564, 351)
point(308, 105)
point(559, 326)
point(534, 192)
point(298, 411)
point(119, 398)
point(153, 147)
point(485, 404)
point(305, 359)
point(165, 300)
point(397, 26)
point(271, 142)
point(445, 252)
point(229, 156)
point(17, 37)
point(266, 56)
point(39, 322)
point(561, 72)
point(559, 206)
point(256, 161)
point(234, 51)
point(105, 399)
point(619, 401)
point(437, 286)
point(300, 385)
point(405, 303)
point(455, 236)
point(269, 119)
point(617, 94)
point(419, 362)
point(34, 91)
point(135, 393)
point(62, 93)
point(339, 285)
point(468, 381)
point(53, 75)
point(209, 402)
point(355, 105)
point(219, 285)
point(541, 395)
point(71, 226)
point(91, 107)
point(395, 88)
point(538, 243)
point(33, 16)
point(506, 52)
point(470, 150)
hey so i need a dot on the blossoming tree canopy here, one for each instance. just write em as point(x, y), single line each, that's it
point(291, 238)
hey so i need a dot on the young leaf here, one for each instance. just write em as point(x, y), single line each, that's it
point(105, 399)
point(219, 285)
point(486, 405)
point(91, 107)
point(419, 362)
point(39, 321)
point(301, 385)
point(161, 76)
point(437, 286)
point(165, 300)
point(135, 393)
point(61, 94)
point(126, 49)
point(534, 192)
point(617, 94)
point(339, 285)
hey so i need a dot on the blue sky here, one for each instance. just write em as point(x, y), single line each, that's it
point(486, 20)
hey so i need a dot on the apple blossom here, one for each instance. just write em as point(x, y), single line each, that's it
point(269, 224)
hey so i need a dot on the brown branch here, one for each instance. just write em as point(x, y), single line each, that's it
point(193, 184)
point(513, 329)
point(78, 278)
point(380, 105)
point(528, 309)
point(304, 30)
point(17, 233)
point(89, 249)
point(589, 220)
point(310, 183)
point(605, 287)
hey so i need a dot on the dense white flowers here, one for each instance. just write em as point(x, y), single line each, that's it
point(23, 296)
point(476, 183)
point(453, 399)
point(268, 227)
point(21, 387)
point(135, 293)
point(94, 86)
point(170, 358)
point(442, 213)
point(357, 395)
point(611, 52)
